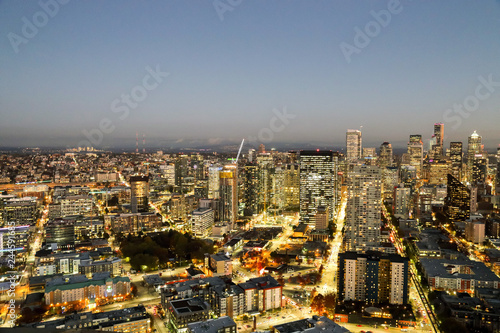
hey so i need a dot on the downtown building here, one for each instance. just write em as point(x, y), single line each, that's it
point(139, 193)
point(373, 277)
point(458, 200)
point(133, 223)
point(363, 210)
point(416, 152)
point(318, 183)
point(228, 192)
point(354, 145)
point(202, 222)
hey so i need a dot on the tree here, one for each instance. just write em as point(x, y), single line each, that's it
point(330, 303)
point(318, 304)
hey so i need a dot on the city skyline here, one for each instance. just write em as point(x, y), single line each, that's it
point(212, 77)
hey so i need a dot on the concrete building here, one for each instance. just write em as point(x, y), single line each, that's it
point(202, 222)
point(182, 312)
point(315, 324)
point(373, 277)
point(475, 232)
point(78, 288)
point(362, 227)
point(262, 294)
point(354, 145)
point(318, 183)
point(219, 265)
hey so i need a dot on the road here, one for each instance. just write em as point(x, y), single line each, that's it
point(329, 275)
point(416, 291)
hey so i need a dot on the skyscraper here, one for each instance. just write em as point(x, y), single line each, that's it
point(362, 230)
point(474, 147)
point(318, 183)
point(214, 181)
point(250, 189)
point(228, 194)
point(139, 193)
point(416, 152)
point(385, 155)
point(354, 144)
point(438, 137)
point(457, 200)
point(456, 157)
point(497, 177)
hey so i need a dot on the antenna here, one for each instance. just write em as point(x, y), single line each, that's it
point(136, 142)
point(143, 143)
point(239, 151)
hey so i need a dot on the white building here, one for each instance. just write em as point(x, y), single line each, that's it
point(76, 205)
point(202, 222)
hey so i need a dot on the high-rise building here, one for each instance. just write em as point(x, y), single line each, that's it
point(354, 144)
point(385, 155)
point(437, 140)
point(250, 189)
point(479, 169)
point(456, 157)
point(416, 152)
point(321, 218)
point(213, 181)
point(457, 200)
point(318, 183)
point(202, 222)
point(228, 211)
point(401, 202)
point(362, 229)
point(373, 277)
point(139, 193)
point(265, 165)
point(292, 186)
point(474, 148)
point(181, 170)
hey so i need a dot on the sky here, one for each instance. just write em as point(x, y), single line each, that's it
point(207, 72)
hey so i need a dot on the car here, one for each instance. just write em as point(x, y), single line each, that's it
point(358, 325)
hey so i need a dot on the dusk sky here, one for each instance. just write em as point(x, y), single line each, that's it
point(229, 69)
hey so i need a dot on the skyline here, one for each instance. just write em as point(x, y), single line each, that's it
point(229, 72)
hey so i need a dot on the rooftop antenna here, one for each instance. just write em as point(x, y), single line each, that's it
point(136, 142)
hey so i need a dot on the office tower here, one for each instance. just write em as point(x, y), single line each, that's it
point(436, 171)
point(385, 155)
point(60, 232)
point(202, 222)
point(479, 169)
point(390, 179)
point(169, 172)
point(213, 181)
point(474, 147)
point(354, 143)
point(362, 229)
point(457, 203)
point(262, 148)
point(250, 189)
point(416, 152)
point(437, 140)
point(456, 157)
point(139, 192)
point(321, 218)
point(475, 232)
point(228, 211)
point(373, 278)
point(292, 186)
point(318, 183)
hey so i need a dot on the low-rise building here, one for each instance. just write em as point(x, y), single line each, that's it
point(182, 312)
point(219, 325)
point(133, 320)
point(78, 288)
